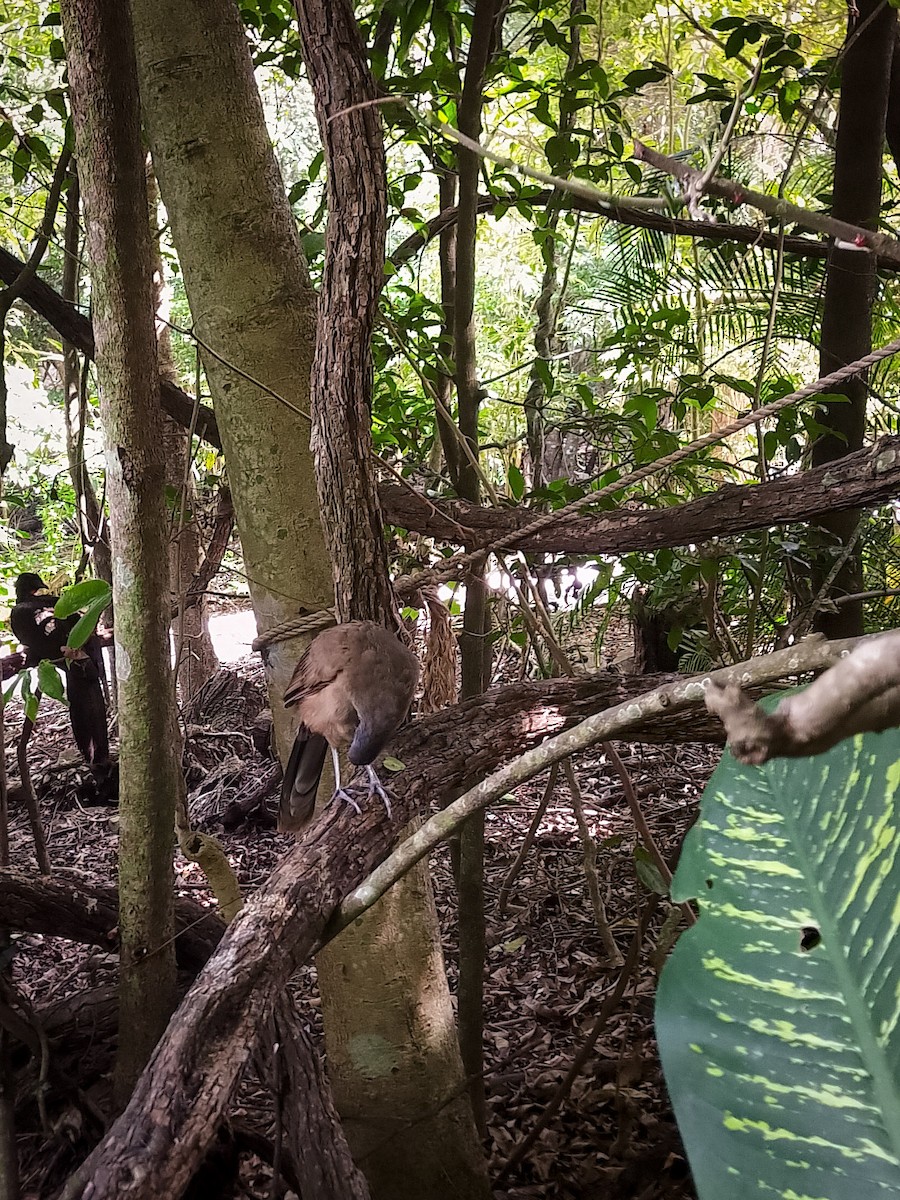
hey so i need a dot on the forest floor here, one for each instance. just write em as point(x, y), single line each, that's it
point(547, 975)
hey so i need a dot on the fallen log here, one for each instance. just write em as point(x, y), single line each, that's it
point(84, 912)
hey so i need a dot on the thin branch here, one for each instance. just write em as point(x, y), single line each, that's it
point(772, 206)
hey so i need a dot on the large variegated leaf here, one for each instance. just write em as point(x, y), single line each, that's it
point(778, 1015)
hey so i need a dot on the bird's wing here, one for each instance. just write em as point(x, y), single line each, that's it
point(326, 658)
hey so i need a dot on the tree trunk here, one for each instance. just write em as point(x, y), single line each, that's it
point(388, 1019)
point(250, 296)
point(850, 280)
point(476, 618)
point(103, 80)
point(196, 660)
point(92, 525)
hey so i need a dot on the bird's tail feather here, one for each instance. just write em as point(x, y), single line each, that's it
point(301, 780)
point(87, 712)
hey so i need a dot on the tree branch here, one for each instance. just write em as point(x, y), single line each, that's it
point(865, 478)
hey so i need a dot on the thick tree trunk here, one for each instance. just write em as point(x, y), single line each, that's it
point(388, 1019)
point(850, 280)
point(103, 80)
point(250, 296)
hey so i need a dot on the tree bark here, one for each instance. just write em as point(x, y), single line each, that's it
point(850, 280)
point(190, 626)
point(250, 296)
point(388, 1018)
point(79, 910)
point(103, 80)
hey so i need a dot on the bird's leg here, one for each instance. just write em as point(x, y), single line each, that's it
point(341, 793)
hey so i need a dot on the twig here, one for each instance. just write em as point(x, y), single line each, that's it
point(31, 802)
point(640, 821)
point(528, 841)
point(589, 858)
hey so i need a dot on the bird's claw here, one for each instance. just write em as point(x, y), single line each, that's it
point(374, 787)
point(342, 794)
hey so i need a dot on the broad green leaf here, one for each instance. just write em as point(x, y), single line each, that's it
point(393, 764)
point(74, 598)
point(86, 623)
point(50, 681)
point(778, 1015)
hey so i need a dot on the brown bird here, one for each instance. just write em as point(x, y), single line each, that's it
point(353, 689)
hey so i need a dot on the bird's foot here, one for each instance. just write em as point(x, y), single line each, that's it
point(374, 787)
point(342, 793)
point(377, 788)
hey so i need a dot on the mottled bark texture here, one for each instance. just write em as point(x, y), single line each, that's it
point(251, 300)
point(103, 81)
point(389, 1024)
point(351, 285)
point(850, 277)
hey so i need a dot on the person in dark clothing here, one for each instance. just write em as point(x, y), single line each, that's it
point(44, 635)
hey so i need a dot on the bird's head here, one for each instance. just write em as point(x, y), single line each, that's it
point(29, 584)
point(371, 737)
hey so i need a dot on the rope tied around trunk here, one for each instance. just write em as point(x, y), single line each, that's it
point(312, 622)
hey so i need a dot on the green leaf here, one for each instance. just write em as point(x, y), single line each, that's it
point(86, 623)
point(648, 872)
point(393, 764)
point(11, 690)
point(31, 708)
point(50, 680)
point(73, 599)
point(516, 481)
point(637, 79)
point(778, 1014)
